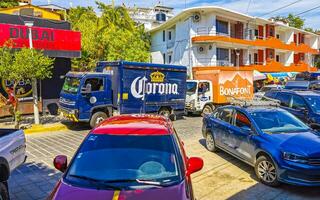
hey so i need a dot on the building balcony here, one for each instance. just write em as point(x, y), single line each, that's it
point(271, 42)
point(210, 62)
point(270, 67)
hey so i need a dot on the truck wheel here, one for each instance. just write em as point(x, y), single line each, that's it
point(165, 112)
point(266, 171)
point(4, 194)
point(207, 110)
point(97, 118)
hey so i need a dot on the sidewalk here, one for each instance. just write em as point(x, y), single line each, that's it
point(48, 123)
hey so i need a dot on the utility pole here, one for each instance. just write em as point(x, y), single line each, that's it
point(29, 24)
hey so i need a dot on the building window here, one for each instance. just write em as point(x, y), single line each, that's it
point(255, 59)
point(169, 35)
point(169, 59)
point(222, 27)
point(278, 36)
point(277, 58)
point(164, 58)
point(256, 32)
point(222, 54)
point(164, 36)
point(271, 32)
point(250, 59)
point(27, 12)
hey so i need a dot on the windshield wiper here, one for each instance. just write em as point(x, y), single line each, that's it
point(97, 182)
point(142, 181)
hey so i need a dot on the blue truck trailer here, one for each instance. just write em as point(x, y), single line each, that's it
point(123, 88)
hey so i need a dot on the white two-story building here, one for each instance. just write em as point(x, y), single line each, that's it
point(217, 37)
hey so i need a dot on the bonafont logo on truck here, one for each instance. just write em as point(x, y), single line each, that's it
point(140, 86)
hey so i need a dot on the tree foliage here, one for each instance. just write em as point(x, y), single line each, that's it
point(113, 35)
point(8, 3)
point(17, 65)
point(24, 64)
point(294, 21)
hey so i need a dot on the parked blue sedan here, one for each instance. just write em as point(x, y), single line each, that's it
point(279, 146)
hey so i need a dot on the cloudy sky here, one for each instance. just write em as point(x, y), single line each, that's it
point(256, 7)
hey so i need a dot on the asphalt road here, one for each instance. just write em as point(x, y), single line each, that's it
point(223, 177)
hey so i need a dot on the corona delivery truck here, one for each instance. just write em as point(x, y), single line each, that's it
point(123, 88)
point(213, 87)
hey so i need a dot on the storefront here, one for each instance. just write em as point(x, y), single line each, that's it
point(56, 40)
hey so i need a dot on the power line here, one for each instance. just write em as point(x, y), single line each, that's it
point(285, 6)
point(307, 11)
point(248, 6)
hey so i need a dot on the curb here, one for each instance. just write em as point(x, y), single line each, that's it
point(43, 128)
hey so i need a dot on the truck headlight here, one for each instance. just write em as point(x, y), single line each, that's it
point(294, 157)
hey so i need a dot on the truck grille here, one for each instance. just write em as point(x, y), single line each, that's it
point(188, 105)
point(66, 101)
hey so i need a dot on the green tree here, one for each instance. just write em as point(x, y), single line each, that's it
point(8, 3)
point(294, 21)
point(17, 65)
point(111, 36)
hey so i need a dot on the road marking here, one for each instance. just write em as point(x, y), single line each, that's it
point(116, 195)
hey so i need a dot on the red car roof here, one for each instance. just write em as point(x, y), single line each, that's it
point(135, 125)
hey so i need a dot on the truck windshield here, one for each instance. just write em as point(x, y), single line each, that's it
point(71, 85)
point(275, 122)
point(125, 161)
point(191, 87)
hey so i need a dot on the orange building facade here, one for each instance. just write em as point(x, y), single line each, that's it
point(225, 39)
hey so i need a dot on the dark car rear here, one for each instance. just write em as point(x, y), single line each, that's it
point(303, 104)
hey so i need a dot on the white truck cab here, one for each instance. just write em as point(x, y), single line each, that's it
point(199, 97)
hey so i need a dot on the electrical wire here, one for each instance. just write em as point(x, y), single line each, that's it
point(285, 6)
point(306, 11)
point(248, 6)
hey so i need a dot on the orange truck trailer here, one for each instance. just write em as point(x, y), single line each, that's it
point(213, 87)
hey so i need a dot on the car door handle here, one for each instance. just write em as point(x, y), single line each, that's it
point(231, 131)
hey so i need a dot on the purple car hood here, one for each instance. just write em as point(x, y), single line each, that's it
point(69, 192)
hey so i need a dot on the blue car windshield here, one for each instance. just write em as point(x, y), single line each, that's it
point(278, 122)
point(314, 103)
point(117, 158)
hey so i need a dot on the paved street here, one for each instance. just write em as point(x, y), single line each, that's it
point(223, 176)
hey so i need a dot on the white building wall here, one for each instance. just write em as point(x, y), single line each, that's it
point(206, 25)
point(289, 37)
point(288, 58)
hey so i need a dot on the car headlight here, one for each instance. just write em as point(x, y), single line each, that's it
point(294, 157)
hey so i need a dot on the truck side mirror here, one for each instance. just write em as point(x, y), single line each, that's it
point(87, 89)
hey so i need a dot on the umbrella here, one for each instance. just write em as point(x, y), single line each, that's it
point(258, 75)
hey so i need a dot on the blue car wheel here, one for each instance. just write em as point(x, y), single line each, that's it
point(210, 143)
point(266, 171)
point(4, 195)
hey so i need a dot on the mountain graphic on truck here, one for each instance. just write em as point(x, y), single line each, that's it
point(236, 87)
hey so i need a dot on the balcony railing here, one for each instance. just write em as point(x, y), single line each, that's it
point(210, 62)
point(208, 31)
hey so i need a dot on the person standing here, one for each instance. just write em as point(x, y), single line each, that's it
point(12, 101)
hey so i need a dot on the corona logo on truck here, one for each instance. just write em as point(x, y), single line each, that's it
point(141, 86)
